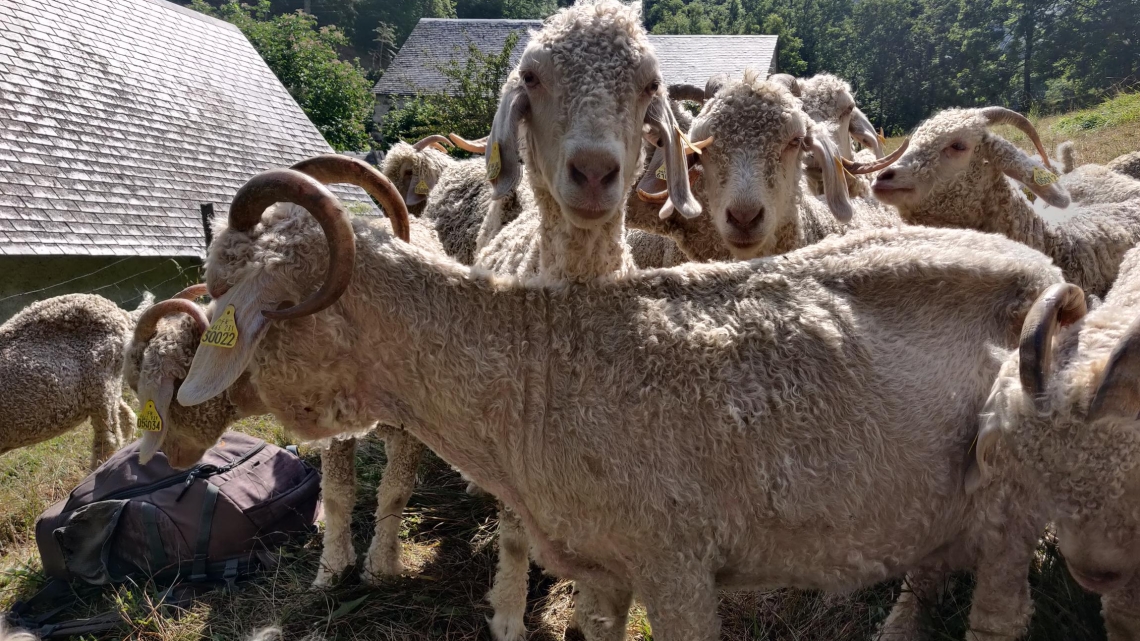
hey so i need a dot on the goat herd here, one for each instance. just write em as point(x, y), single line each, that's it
point(907, 384)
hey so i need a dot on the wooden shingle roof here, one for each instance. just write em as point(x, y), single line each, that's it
point(684, 59)
point(119, 118)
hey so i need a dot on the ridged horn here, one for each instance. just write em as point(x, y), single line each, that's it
point(148, 321)
point(685, 91)
point(471, 146)
point(192, 292)
point(788, 81)
point(334, 168)
point(434, 139)
point(288, 185)
point(1061, 304)
point(876, 165)
point(1003, 116)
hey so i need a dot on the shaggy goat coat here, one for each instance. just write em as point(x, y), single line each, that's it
point(61, 363)
point(799, 421)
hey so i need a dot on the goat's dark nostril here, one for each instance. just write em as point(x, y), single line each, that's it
point(887, 175)
point(578, 177)
point(610, 178)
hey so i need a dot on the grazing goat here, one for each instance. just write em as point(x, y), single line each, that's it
point(1062, 422)
point(668, 433)
point(955, 175)
point(61, 363)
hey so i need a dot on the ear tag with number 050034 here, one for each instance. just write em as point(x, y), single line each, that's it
point(422, 187)
point(149, 419)
point(494, 164)
point(223, 331)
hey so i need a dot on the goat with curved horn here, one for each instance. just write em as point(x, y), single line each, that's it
point(1061, 304)
point(434, 141)
point(788, 81)
point(685, 91)
point(471, 146)
point(878, 164)
point(1119, 391)
point(1003, 116)
point(192, 292)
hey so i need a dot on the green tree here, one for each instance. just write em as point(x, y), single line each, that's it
point(466, 106)
point(334, 93)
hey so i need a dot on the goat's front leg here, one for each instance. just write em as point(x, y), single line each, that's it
point(601, 614)
point(681, 603)
point(395, 490)
point(1121, 612)
point(508, 594)
point(919, 591)
point(105, 431)
point(338, 492)
point(127, 423)
point(1001, 605)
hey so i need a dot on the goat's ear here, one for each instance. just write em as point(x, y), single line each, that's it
point(664, 128)
point(502, 152)
point(154, 414)
point(652, 181)
point(980, 460)
point(236, 327)
point(834, 179)
point(418, 189)
point(1027, 170)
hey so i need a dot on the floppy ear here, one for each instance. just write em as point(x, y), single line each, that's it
point(154, 401)
point(664, 128)
point(1026, 170)
point(418, 189)
point(503, 144)
point(651, 181)
point(980, 460)
point(236, 327)
point(834, 180)
point(862, 131)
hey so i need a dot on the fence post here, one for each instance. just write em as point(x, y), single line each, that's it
point(207, 218)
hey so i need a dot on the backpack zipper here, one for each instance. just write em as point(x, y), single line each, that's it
point(202, 470)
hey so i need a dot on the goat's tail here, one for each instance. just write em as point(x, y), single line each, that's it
point(1067, 152)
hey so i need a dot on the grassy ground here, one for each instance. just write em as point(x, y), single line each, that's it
point(449, 548)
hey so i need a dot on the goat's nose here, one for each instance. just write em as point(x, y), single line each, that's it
point(744, 218)
point(594, 170)
point(887, 175)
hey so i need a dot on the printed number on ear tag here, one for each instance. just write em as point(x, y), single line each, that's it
point(149, 420)
point(422, 187)
point(223, 331)
point(494, 165)
point(1043, 177)
point(1029, 194)
point(660, 173)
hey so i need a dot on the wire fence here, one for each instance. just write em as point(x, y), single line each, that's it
point(59, 288)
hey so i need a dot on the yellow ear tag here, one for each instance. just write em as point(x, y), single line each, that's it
point(660, 173)
point(494, 165)
point(882, 138)
point(1043, 177)
point(149, 420)
point(1029, 194)
point(422, 187)
point(223, 331)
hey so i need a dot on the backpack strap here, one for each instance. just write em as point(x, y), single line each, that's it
point(198, 570)
point(153, 538)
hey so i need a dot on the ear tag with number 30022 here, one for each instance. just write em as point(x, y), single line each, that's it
point(223, 331)
point(149, 419)
point(494, 164)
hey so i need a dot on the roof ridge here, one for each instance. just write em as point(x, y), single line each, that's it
point(194, 14)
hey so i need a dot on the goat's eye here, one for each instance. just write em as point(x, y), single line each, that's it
point(530, 79)
point(652, 87)
point(958, 146)
point(796, 143)
point(848, 111)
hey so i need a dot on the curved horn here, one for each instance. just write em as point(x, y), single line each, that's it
point(435, 139)
point(287, 185)
point(701, 144)
point(788, 81)
point(1003, 116)
point(471, 146)
point(685, 91)
point(1119, 390)
point(334, 168)
point(882, 163)
point(147, 325)
point(715, 83)
point(192, 292)
point(1061, 304)
point(656, 198)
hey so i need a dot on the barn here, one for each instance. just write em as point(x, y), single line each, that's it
point(124, 125)
point(435, 41)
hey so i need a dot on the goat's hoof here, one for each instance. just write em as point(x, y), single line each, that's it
point(507, 628)
point(379, 567)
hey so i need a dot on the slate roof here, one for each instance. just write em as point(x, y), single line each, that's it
point(118, 118)
point(688, 59)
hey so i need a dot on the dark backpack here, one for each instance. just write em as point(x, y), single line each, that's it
point(215, 522)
